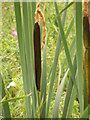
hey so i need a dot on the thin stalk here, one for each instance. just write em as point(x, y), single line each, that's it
point(79, 52)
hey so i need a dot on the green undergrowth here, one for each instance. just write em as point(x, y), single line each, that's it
point(10, 59)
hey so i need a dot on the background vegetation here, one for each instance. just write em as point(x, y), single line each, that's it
point(10, 56)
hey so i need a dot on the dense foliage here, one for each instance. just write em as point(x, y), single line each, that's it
point(10, 58)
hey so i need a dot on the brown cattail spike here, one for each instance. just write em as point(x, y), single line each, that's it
point(38, 15)
point(37, 55)
point(37, 43)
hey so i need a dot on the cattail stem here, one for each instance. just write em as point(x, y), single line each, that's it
point(86, 37)
point(87, 72)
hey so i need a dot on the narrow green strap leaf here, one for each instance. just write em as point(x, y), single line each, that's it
point(85, 92)
point(72, 98)
point(86, 112)
point(31, 14)
point(66, 7)
point(58, 96)
point(5, 105)
point(44, 81)
point(64, 40)
point(71, 47)
point(67, 98)
point(79, 52)
point(53, 74)
point(71, 101)
point(69, 90)
point(41, 28)
point(67, 32)
point(27, 42)
point(65, 45)
point(15, 98)
point(30, 11)
point(72, 51)
point(33, 11)
point(55, 65)
point(21, 41)
point(69, 28)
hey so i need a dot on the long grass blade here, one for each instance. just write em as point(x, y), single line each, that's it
point(67, 32)
point(69, 28)
point(86, 113)
point(23, 58)
point(79, 52)
point(66, 7)
point(69, 91)
point(33, 11)
point(21, 47)
point(71, 101)
point(44, 82)
point(54, 66)
point(58, 96)
point(6, 108)
point(68, 59)
point(15, 98)
point(72, 51)
point(55, 114)
point(85, 91)
point(71, 47)
point(65, 44)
